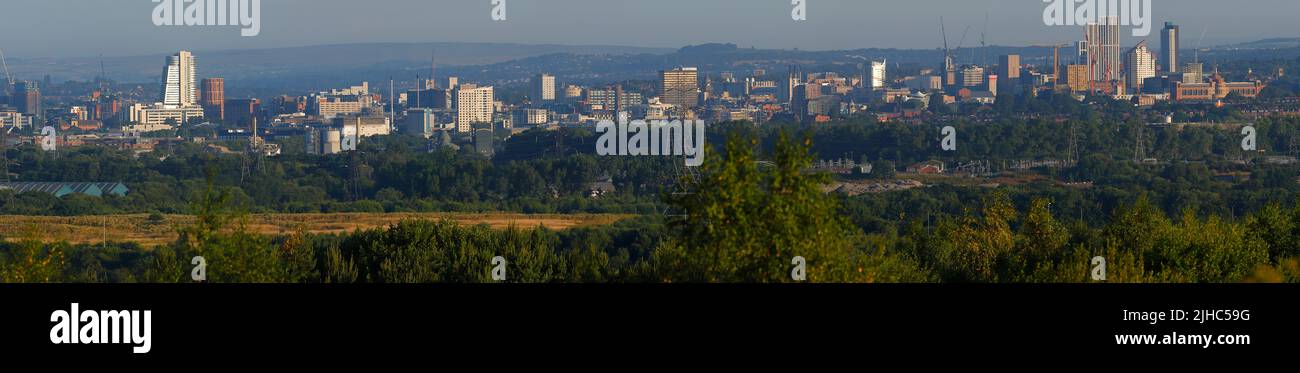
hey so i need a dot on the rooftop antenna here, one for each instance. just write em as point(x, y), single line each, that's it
point(433, 73)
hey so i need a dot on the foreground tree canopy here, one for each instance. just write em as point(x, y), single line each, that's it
point(750, 212)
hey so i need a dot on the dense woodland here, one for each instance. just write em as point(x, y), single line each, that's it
point(1206, 212)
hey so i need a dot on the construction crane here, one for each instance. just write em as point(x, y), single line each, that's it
point(983, 52)
point(9, 78)
point(1197, 58)
point(1056, 59)
point(947, 55)
point(963, 40)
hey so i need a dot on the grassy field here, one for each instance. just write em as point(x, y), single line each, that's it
point(140, 229)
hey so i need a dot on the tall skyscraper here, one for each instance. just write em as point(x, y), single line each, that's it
point(1009, 66)
point(792, 82)
point(1170, 41)
point(1104, 49)
point(1009, 73)
point(27, 98)
point(474, 105)
point(179, 86)
point(680, 86)
point(543, 88)
point(1141, 64)
point(214, 98)
point(877, 76)
point(1077, 77)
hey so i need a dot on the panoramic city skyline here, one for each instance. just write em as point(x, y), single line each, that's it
point(124, 28)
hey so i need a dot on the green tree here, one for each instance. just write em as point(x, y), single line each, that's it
point(746, 223)
point(231, 255)
point(31, 261)
point(976, 246)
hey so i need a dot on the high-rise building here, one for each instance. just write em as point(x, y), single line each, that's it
point(420, 122)
point(179, 87)
point(1103, 40)
point(1009, 73)
point(1009, 66)
point(615, 99)
point(877, 76)
point(243, 112)
point(1077, 76)
point(335, 102)
point(792, 82)
point(104, 108)
point(530, 117)
point(474, 105)
point(214, 98)
point(949, 69)
point(1170, 40)
point(543, 88)
point(329, 107)
point(572, 92)
point(1141, 64)
point(288, 105)
point(27, 98)
point(1193, 73)
point(680, 86)
point(602, 99)
point(428, 98)
point(972, 76)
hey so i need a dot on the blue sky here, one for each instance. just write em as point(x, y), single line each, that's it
point(63, 28)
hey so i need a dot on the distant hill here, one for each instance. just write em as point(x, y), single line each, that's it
point(1274, 43)
point(253, 64)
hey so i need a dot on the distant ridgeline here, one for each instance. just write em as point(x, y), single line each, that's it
point(62, 189)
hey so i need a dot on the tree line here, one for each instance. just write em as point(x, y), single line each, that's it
point(740, 221)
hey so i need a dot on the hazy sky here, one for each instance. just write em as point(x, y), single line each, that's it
point(62, 28)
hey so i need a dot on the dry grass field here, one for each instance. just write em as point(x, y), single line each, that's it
point(140, 229)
